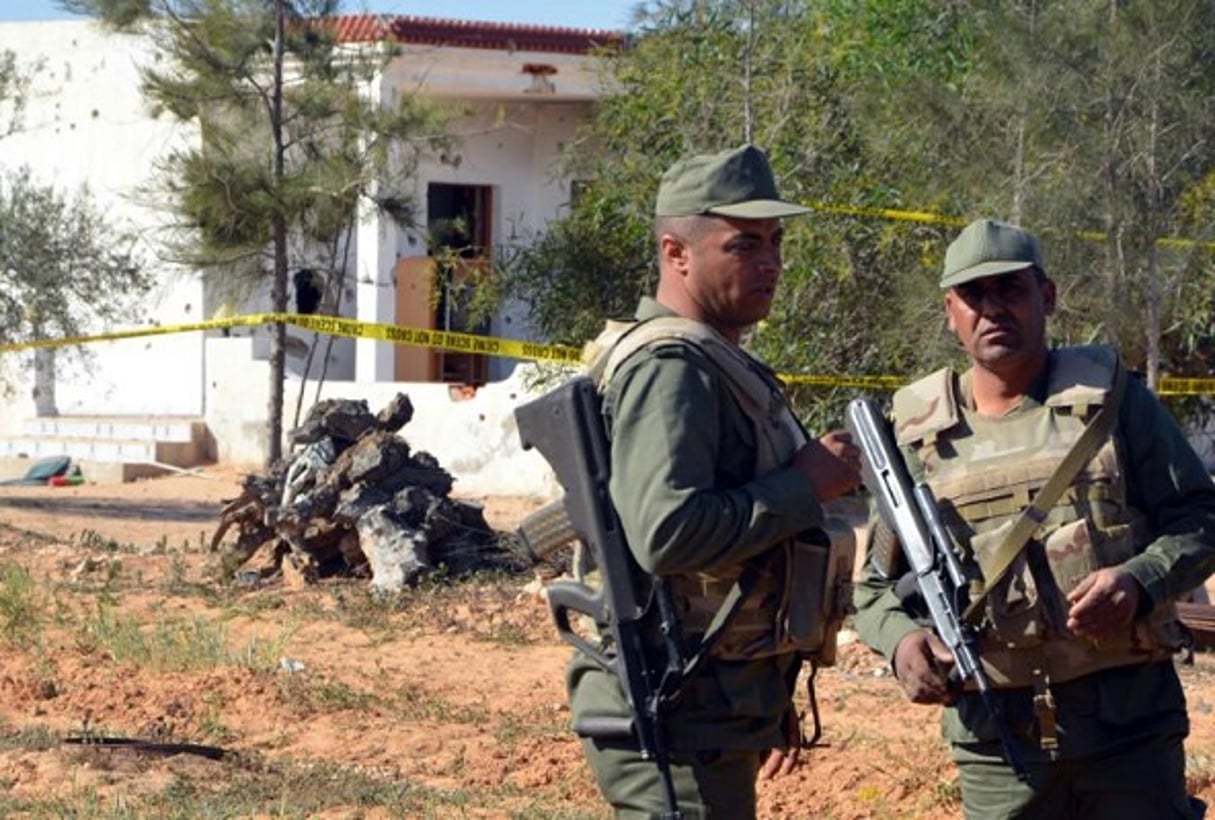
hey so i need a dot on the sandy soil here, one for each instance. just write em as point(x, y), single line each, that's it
point(457, 689)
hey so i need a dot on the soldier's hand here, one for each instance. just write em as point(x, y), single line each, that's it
point(778, 762)
point(832, 464)
point(1103, 601)
point(781, 761)
point(922, 664)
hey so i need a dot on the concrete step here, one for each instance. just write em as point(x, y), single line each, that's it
point(115, 448)
point(127, 428)
point(176, 453)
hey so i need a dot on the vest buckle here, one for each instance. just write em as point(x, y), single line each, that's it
point(1044, 711)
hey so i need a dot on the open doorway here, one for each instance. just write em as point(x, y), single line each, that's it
point(458, 219)
point(435, 292)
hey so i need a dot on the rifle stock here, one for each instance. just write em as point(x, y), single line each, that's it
point(566, 427)
point(911, 512)
point(544, 531)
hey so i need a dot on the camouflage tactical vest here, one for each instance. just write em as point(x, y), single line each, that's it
point(793, 597)
point(984, 471)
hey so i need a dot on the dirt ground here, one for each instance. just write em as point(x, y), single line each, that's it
point(455, 690)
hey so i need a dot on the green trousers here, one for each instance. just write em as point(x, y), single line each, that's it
point(1145, 781)
point(707, 784)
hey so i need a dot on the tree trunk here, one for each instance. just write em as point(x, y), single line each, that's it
point(1114, 259)
point(1151, 285)
point(278, 291)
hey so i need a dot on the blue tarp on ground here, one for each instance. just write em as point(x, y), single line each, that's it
point(41, 471)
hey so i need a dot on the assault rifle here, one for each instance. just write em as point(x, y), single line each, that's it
point(566, 427)
point(911, 512)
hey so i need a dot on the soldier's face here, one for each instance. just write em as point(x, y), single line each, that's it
point(730, 271)
point(1001, 320)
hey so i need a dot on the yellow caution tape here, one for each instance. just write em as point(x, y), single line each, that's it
point(927, 217)
point(496, 346)
point(1181, 386)
point(1164, 241)
point(861, 382)
point(157, 330)
point(434, 339)
point(338, 326)
point(888, 213)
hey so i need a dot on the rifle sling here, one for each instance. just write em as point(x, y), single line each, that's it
point(717, 625)
point(1036, 513)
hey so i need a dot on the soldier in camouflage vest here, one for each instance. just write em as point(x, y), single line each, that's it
point(710, 471)
point(1077, 621)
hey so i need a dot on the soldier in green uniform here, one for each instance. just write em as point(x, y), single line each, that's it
point(711, 473)
point(1077, 623)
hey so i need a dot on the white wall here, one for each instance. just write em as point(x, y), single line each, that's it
point(86, 125)
point(514, 148)
point(490, 74)
point(474, 438)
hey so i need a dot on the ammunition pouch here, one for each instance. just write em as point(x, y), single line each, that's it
point(1155, 639)
point(1025, 632)
point(794, 598)
point(820, 595)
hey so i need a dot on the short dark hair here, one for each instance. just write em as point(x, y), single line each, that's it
point(686, 228)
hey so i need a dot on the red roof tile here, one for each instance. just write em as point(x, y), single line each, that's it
point(360, 28)
point(472, 33)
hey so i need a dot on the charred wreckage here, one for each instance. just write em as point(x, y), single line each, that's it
point(353, 499)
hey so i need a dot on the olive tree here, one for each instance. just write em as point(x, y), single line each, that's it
point(66, 270)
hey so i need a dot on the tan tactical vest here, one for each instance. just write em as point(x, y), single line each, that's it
point(794, 597)
point(984, 471)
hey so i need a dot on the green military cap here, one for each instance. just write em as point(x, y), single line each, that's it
point(985, 248)
point(737, 182)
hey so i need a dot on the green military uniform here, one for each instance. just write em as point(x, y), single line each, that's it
point(685, 486)
point(1119, 729)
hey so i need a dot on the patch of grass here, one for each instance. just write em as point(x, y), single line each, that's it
point(21, 606)
point(285, 790)
point(507, 634)
point(93, 573)
point(212, 725)
point(177, 581)
point(96, 542)
point(413, 704)
point(29, 738)
point(254, 605)
point(361, 609)
point(27, 539)
point(1199, 769)
point(313, 694)
point(180, 645)
point(512, 726)
point(179, 571)
point(538, 810)
point(947, 792)
point(84, 804)
point(912, 774)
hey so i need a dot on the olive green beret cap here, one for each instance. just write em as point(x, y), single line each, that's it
point(737, 183)
point(986, 248)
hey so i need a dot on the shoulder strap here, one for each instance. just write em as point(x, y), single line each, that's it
point(925, 408)
point(747, 385)
point(1095, 432)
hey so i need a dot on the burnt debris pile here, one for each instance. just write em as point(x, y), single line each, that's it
point(353, 499)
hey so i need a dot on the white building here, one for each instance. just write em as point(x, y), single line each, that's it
point(526, 89)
